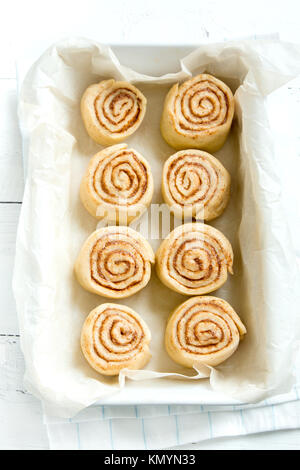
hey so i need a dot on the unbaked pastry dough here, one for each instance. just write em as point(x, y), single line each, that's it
point(194, 259)
point(112, 111)
point(203, 330)
point(117, 185)
point(195, 184)
point(198, 114)
point(114, 262)
point(115, 337)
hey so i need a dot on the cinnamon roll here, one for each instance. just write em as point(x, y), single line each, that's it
point(194, 259)
point(203, 330)
point(195, 184)
point(112, 111)
point(114, 337)
point(198, 114)
point(114, 262)
point(117, 185)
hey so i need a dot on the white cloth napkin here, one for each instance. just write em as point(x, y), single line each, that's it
point(157, 427)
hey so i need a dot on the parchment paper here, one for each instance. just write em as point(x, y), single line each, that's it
point(53, 225)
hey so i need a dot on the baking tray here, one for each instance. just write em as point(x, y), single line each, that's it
point(157, 61)
point(154, 61)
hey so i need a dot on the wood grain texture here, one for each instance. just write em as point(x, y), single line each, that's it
point(11, 168)
point(9, 215)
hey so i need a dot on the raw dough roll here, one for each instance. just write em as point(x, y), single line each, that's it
point(114, 262)
point(203, 330)
point(198, 114)
point(117, 185)
point(112, 111)
point(114, 337)
point(195, 184)
point(194, 259)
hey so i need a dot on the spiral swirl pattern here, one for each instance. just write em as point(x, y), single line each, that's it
point(114, 337)
point(117, 185)
point(112, 110)
point(201, 104)
point(204, 330)
point(198, 114)
point(195, 184)
point(194, 259)
point(114, 262)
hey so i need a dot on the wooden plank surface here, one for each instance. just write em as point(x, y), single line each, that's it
point(11, 168)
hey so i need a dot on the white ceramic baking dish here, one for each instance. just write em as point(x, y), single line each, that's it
point(154, 61)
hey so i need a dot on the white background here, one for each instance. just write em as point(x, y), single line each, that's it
point(26, 28)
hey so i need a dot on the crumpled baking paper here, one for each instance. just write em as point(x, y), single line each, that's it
point(51, 304)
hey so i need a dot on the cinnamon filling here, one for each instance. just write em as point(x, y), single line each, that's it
point(191, 167)
point(209, 336)
point(207, 120)
point(130, 327)
point(211, 254)
point(129, 258)
point(123, 93)
point(136, 176)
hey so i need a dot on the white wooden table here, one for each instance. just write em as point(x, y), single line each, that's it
point(35, 24)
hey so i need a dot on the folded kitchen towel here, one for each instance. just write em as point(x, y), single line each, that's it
point(158, 427)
